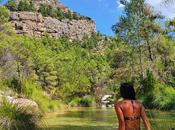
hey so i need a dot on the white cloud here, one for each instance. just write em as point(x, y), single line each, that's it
point(119, 4)
point(167, 10)
point(154, 2)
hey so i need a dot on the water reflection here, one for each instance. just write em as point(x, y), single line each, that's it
point(102, 119)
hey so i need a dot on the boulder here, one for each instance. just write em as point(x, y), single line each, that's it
point(23, 102)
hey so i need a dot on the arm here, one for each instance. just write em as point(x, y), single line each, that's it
point(120, 118)
point(145, 119)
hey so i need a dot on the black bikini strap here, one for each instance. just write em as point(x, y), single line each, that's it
point(132, 118)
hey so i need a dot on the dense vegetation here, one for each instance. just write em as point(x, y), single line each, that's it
point(45, 10)
point(23, 5)
point(14, 117)
point(152, 53)
point(52, 72)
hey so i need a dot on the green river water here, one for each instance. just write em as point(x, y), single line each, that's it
point(101, 119)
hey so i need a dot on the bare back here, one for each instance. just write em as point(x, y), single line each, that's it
point(129, 113)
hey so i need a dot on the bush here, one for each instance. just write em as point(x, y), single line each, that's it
point(4, 15)
point(82, 102)
point(14, 84)
point(46, 11)
point(149, 82)
point(164, 97)
point(161, 97)
point(11, 5)
point(25, 5)
point(13, 117)
point(35, 92)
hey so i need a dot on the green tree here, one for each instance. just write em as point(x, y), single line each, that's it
point(4, 15)
point(130, 24)
point(150, 29)
point(138, 27)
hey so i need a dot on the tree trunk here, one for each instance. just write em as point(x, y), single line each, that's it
point(150, 51)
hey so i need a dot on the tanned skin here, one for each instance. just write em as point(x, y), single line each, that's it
point(128, 108)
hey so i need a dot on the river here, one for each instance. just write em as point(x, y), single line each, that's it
point(101, 119)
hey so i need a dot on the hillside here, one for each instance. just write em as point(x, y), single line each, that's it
point(43, 69)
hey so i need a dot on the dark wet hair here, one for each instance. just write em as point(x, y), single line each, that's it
point(127, 91)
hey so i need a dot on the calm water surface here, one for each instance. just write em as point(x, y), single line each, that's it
point(101, 119)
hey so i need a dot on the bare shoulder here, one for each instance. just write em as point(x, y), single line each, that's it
point(118, 104)
point(139, 103)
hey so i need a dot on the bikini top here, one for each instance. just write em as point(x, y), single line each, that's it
point(132, 118)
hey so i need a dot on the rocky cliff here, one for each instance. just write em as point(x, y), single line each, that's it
point(34, 24)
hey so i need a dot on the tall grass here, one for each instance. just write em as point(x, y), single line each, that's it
point(34, 91)
point(13, 117)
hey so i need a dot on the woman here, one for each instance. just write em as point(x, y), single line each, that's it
point(129, 110)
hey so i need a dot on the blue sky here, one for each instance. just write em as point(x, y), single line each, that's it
point(107, 12)
point(3, 1)
point(104, 12)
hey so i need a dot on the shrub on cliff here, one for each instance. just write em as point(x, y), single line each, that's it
point(12, 5)
point(46, 11)
point(4, 15)
point(25, 5)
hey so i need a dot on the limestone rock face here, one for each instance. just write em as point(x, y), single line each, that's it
point(34, 24)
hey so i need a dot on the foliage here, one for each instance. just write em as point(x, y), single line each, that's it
point(161, 97)
point(55, 71)
point(46, 11)
point(11, 5)
point(4, 15)
point(145, 55)
point(35, 92)
point(25, 5)
point(62, 68)
point(17, 118)
point(137, 27)
point(148, 82)
point(164, 97)
point(82, 102)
